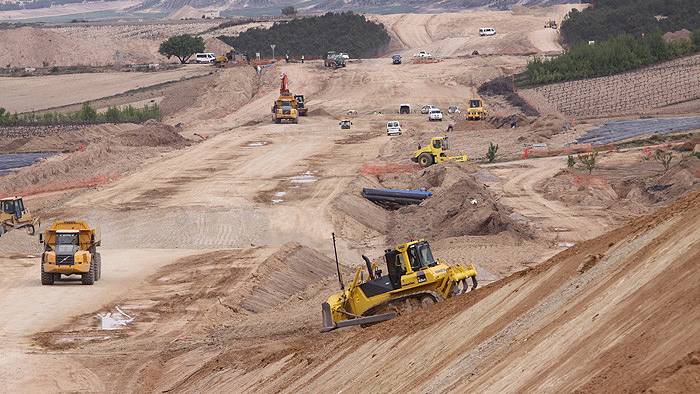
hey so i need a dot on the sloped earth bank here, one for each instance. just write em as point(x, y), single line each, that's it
point(616, 313)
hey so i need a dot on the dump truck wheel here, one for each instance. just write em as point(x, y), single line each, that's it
point(2, 230)
point(425, 159)
point(46, 277)
point(98, 266)
point(31, 230)
point(88, 278)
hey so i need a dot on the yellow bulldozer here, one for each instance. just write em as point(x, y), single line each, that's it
point(414, 279)
point(286, 107)
point(476, 110)
point(435, 153)
point(15, 215)
point(70, 248)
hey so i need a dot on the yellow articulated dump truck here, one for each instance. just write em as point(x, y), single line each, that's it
point(70, 248)
point(414, 279)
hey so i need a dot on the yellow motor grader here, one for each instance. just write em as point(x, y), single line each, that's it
point(414, 279)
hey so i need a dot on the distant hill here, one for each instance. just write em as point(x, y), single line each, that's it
point(272, 7)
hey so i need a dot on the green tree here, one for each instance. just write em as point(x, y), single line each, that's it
point(182, 47)
point(289, 11)
point(588, 161)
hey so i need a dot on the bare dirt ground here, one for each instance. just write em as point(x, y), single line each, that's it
point(20, 93)
point(220, 249)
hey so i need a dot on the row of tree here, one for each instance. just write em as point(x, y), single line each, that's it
point(610, 18)
point(616, 55)
point(314, 36)
point(86, 115)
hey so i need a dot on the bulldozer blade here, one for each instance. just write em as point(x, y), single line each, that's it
point(330, 325)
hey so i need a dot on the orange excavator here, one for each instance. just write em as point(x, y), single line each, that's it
point(286, 107)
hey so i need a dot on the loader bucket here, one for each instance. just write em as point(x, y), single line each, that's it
point(330, 325)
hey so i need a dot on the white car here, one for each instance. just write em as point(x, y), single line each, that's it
point(204, 57)
point(393, 127)
point(435, 114)
point(487, 31)
point(423, 55)
point(426, 109)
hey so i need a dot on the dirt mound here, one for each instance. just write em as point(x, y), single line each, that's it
point(460, 205)
point(284, 274)
point(632, 188)
point(617, 313)
point(153, 133)
point(115, 150)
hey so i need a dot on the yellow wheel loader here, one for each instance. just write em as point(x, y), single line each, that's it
point(70, 248)
point(414, 279)
point(14, 215)
point(476, 110)
point(435, 153)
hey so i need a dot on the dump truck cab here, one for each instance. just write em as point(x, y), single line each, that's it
point(14, 215)
point(435, 153)
point(476, 110)
point(70, 248)
point(413, 276)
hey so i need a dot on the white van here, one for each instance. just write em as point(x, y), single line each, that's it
point(206, 57)
point(487, 31)
point(393, 127)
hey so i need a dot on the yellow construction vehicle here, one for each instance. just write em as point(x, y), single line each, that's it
point(220, 61)
point(286, 106)
point(414, 279)
point(435, 153)
point(15, 215)
point(476, 110)
point(70, 248)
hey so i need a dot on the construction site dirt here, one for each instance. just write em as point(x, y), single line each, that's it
point(216, 226)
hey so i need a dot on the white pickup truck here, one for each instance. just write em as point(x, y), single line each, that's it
point(423, 55)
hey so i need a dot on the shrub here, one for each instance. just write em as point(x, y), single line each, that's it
point(664, 157)
point(86, 115)
point(570, 162)
point(314, 36)
point(491, 153)
point(612, 18)
point(619, 54)
point(588, 161)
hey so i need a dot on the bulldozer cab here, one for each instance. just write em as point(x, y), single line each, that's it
point(474, 103)
point(407, 259)
point(13, 206)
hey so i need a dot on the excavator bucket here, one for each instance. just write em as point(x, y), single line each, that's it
point(329, 325)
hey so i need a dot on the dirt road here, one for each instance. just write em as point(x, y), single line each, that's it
point(29, 307)
point(551, 218)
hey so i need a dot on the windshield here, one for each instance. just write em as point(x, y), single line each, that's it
point(474, 103)
point(393, 124)
point(425, 255)
point(66, 244)
point(434, 111)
